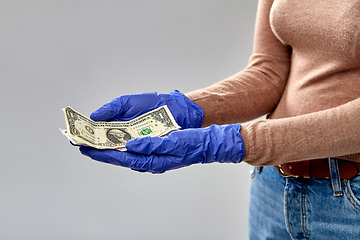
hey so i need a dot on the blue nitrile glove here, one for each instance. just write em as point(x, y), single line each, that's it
point(179, 149)
point(186, 113)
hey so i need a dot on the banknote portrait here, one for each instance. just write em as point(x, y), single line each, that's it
point(118, 136)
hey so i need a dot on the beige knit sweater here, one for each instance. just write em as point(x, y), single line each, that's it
point(305, 74)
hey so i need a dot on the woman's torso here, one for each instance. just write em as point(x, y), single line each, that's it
point(325, 62)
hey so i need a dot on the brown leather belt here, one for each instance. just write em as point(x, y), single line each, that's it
point(318, 168)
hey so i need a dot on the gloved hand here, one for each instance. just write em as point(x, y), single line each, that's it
point(179, 149)
point(186, 113)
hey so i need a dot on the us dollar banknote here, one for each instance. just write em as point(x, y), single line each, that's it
point(81, 130)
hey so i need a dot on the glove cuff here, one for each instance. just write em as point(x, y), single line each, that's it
point(194, 113)
point(227, 144)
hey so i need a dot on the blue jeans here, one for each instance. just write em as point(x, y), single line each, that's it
point(298, 208)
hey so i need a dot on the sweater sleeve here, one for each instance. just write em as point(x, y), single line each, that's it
point(254, 91)
point(334, 132)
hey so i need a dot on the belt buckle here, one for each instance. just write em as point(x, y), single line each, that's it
point(282, 173)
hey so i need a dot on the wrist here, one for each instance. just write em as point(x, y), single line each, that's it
point(193, 114)
point(227, 144)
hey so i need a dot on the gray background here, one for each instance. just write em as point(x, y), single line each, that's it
point(83, 54)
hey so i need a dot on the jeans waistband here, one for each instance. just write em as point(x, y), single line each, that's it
point(319, 168)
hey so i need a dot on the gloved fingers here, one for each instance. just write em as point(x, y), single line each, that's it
point(144, 145)
point(186, 113)
point(119, 109)
point(176, 143)
point(134, 105)
point(168, 153)
point(137, 162)
point(127, 107)
point(108, 156)
point(107, 112)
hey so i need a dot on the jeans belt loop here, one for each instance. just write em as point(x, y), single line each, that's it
point(335, 177)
